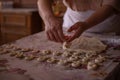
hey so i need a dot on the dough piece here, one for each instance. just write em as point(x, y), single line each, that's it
point(4, 51)
point(73, 58)
point(99, 59)
point(35, 51)
point(26, 50)
point(92, 66)
point(20, 55)
point(63, 62)
point(66, 54)
point(8, 46)
point(30, 57)
point(42, 58)
point(88, 55)
point(88, 44)
point(85, 60)
point(15, 48)
point(76, 53)
point(52, 60)
point(76, 64)
point(66, 45)
point(13, 53)
point(46, 52)
point(56, 53)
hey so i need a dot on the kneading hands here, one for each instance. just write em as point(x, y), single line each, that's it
point(53, 25)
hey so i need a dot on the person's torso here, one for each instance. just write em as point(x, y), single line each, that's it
point(83, 5)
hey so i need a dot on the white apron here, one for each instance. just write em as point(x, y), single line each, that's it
point(111, 24)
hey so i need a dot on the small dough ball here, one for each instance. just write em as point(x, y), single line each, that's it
point(4, 51)
point(52, 60)
point(100, 59)
point(73, 58)
point(42, 58)
point(8, 46)
point(63, 62)
point(66, 54)
point(13, 53)
point(66, 45)
point(30, 57)
point(76, 64)
point(85, 60)
point(76, 53)
point(56, 53)
point(16, 48)
point(97, 60)
point(46, 52)
point(25, 50)
point(92, 66)
point(88, 55)
point(20, 55)
point(35, 51)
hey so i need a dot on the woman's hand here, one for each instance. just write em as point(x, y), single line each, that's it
point(78, 29)
point(53, 28)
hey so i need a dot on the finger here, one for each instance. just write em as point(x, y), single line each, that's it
point(61, 35)
point(74, 27)
point(53, 36)
point(77, 34)
point(56, 36)
point(48, 36)
point(67, 37)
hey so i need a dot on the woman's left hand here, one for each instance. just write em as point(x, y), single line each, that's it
point(78, 29)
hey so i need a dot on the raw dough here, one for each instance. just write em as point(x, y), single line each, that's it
point(88, 44)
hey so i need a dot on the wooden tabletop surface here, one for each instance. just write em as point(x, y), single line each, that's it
point(37, 71)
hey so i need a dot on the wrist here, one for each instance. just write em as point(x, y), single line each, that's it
point(85, 25)
point(48, 16)
point(48, 19)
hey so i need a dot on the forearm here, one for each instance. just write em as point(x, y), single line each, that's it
point(99, 16)
point(45, 9)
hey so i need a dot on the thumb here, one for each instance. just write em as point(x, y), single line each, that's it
point(74, 27)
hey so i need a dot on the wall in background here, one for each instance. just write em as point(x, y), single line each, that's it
point(24, 3)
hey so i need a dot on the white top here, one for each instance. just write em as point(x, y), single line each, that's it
point(75, 14)
point(111, 24)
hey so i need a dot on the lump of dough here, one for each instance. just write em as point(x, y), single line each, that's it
point(88, 44)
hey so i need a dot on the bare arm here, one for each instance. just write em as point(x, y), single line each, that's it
point(97, 17)
point(53, 25)
point(45, 8)
point(100, 15)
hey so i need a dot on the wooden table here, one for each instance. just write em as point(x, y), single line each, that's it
point(38, 71)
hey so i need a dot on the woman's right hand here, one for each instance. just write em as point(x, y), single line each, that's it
point(53, 28)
